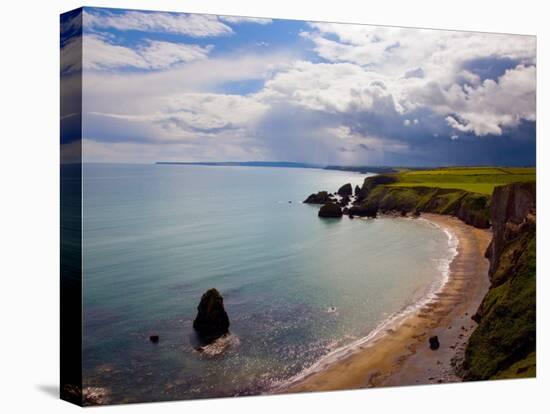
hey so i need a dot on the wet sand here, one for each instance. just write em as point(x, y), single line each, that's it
point(400, 355)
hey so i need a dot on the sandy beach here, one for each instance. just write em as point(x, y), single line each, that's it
point(400, 354)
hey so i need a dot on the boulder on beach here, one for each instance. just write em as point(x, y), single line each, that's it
point(330, 210)
point(212, 320)
point(434, 342)
point(345, 190)
point(322, 197)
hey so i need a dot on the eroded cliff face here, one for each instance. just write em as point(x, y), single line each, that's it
point(513, 208)
point(376, 195)
point(504, 343)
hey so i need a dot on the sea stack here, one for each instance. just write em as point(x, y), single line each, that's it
point(345, 190)
point(321, 197)
point(330, 210)
point(212, 320)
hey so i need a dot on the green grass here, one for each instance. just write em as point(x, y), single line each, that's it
point(480, 180)
point(525, 368)
point(502, 344)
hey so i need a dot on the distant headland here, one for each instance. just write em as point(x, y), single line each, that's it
point(289, 164)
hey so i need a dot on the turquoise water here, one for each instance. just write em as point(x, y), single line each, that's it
point(295, 286)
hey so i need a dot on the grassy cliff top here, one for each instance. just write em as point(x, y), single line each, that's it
point(473, 179)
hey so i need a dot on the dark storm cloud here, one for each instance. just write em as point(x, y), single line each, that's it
point(431, 141)
point(292, 133)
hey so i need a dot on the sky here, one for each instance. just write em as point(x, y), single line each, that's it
point(189, 87)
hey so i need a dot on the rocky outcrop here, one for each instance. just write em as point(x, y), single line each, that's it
point(212, 320)
point(472, 208)
point(344, 201)
point(504, 343)
point(345, 190)
point(512, 209)
point(322, 197)
point(330, 210)
point(370, 183)
point(363, 211)
point(357, 190)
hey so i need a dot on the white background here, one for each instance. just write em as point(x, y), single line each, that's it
point(29, 310)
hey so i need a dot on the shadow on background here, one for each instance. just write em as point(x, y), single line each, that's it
point(50, 389)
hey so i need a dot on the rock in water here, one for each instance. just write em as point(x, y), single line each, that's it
point(364, 211)
point(357, 190)
point(330, 210)
point(321, 197)
point(345, 190)
point(345, 201)
point(212, 320)
point(154, 339)
point(434, 343)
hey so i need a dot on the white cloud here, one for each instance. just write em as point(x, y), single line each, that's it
point(195, 25)
point(178, 104)
point(339, 87)
point(99, 54)
point(494, 105)
point(164, 54)
point(149, 92)
point(181, 118)
point(435, 54)
point(426, 69)
point(210, 112)
point(239, 20)
point(184, 117)
point(71, 55)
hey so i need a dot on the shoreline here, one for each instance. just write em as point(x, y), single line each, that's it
point(397, 353)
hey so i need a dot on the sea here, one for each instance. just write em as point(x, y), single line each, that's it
point(297, 288)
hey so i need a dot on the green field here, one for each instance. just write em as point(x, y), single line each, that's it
point(480, 180)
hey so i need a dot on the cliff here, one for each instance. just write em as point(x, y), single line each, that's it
point(377, 194)
point(504, 343)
